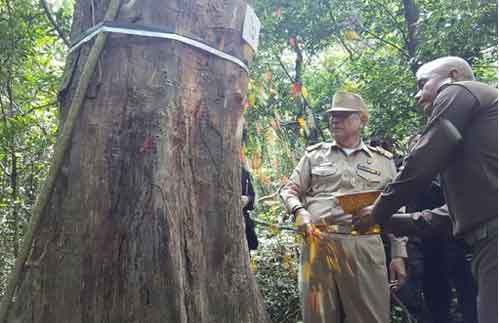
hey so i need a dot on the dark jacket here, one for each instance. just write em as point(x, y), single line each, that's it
point(460, 143)
point(432, 197)
point(247, 189)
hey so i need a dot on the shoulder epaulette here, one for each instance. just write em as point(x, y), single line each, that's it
point(381, 151)
point(319, 145)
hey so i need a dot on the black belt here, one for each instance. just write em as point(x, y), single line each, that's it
point(484, 231)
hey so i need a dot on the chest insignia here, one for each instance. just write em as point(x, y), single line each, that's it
point(368, 169)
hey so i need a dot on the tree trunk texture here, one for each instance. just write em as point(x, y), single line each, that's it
point(144, 223)
point(411, 19)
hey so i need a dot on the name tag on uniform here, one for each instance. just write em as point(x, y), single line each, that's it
point(368, 169)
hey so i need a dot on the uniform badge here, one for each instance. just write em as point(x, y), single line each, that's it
point(368, 169)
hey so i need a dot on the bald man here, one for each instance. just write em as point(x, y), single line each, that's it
point(459, 143)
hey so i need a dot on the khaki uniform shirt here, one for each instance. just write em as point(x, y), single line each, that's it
point(460, 143)
point(326, 171)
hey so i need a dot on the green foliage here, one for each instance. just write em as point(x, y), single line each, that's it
point(365, 47)
point(461, 28)
point(30, 69)
point(277, 275)
point(388, 86)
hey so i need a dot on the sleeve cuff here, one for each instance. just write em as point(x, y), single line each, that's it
point(295, 207)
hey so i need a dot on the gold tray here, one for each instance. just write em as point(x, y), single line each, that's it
point(352, 202)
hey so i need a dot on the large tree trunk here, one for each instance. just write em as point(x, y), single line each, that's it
point(144, 224)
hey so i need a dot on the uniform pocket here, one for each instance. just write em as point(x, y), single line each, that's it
point(371, 181)
point(323, 170)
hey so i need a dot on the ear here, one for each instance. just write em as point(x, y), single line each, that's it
point(454, 74)
point(364, 118)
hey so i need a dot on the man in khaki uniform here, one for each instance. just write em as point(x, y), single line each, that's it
point(342, 273)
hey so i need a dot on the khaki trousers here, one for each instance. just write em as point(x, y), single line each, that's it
point(343, 279)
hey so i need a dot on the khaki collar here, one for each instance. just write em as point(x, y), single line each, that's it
point(362, 147)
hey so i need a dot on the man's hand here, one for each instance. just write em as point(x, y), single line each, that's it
point(398, 275)
point(303, 219)
point(363, 220)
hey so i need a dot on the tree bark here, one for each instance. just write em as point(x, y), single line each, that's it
point(411, 19)
point(144, 223)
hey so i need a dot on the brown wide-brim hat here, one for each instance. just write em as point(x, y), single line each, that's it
point(346, 101)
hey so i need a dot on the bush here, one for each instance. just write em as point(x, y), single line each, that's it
point(277, 263)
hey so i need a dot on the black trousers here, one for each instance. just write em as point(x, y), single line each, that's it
point(445, 265)
point(484, 267)
point(250, 232)
point(436, 265)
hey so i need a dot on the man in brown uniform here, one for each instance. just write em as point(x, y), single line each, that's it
point(460, 144)
point(341, 273)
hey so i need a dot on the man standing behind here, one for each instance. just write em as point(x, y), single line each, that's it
point(343, 278)
point(248, 204)
point(460, 144)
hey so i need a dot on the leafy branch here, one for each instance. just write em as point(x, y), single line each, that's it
point(61, 34)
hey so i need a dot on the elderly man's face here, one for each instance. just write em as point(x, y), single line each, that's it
point(428, 84)
point(345, 125)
